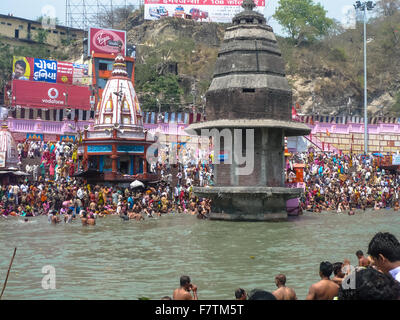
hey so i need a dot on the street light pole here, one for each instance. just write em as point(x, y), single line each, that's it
point(365, 84)
point(367, 5)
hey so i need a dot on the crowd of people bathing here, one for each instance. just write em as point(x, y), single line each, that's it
point(346, 183)
point(68, 201)
point(377, 277)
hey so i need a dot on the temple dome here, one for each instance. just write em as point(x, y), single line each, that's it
point(8, 149)
point(119, 105)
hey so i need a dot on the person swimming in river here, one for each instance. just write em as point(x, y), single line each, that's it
point(91, 219)
point(84, 218)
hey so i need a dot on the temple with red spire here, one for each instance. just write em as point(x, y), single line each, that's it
point(114, 148)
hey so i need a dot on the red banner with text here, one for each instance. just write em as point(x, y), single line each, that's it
point(45, 95)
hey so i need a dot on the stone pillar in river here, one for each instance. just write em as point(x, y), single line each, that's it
point(249, 104)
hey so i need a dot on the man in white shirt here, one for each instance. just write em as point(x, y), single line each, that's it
point(384, 250)
point(24, 188)
point(79, 193)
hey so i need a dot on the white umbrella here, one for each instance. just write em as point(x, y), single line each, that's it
point(136, 184)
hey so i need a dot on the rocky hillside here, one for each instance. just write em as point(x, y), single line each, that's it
point(326, 75)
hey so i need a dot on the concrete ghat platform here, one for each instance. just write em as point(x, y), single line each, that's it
point(248, 203)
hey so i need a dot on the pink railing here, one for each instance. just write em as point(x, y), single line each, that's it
point(323, 146)
point(46, 127)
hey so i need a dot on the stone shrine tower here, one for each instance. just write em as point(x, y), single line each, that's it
point(250, 93)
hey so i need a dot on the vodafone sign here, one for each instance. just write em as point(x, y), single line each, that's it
point(106, 41)
point(34, 94)
point(53, 93)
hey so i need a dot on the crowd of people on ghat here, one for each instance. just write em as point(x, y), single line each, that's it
point(54, 191)
point(54, 160)
point(376, 277)
point(345, 183)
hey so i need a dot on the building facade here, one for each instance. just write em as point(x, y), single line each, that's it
point(20, 29)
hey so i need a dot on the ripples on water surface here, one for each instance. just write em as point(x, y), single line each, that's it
point(128, 260)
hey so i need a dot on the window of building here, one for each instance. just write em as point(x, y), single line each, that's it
point(33, 28)
point(106, 65)
point(55, 31)
point(21, 27)
point(9, 24)
point(74, 35)
point(30, 113)
point(102, 66)
point(62, 33)
point(16, 34)
point(2, 22)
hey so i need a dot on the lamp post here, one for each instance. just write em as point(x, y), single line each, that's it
point(364, 6)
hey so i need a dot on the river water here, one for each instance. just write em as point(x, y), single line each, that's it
point(128, 260)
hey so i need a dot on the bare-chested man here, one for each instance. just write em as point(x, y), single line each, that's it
point(325, 289)
point(91, 220)
point(283, 292)
point(362, 261)
point(338, 274)
point(55, 219)
point(240, 294)
point(84, 218)
point(183, 292)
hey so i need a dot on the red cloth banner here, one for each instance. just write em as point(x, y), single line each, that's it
point(34, 94)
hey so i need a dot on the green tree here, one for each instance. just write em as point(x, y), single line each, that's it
point(41, 36)
point(302, 19)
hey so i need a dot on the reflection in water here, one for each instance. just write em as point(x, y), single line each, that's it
point(127, 260)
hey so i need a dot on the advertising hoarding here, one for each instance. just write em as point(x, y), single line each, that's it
point(199, 10)
point(35, 69)
point(50, 95)
point(106, 41)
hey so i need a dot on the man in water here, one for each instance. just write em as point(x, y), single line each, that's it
point(258, 294)
point(325, 289)
point(283, 292)
point(338, 273)
point(362, 261)
point(84, 218)
point(91, 220)
point(240, 294)
point(50, 216)
point(384, 249)
point(371, 284)
point(183, 292)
